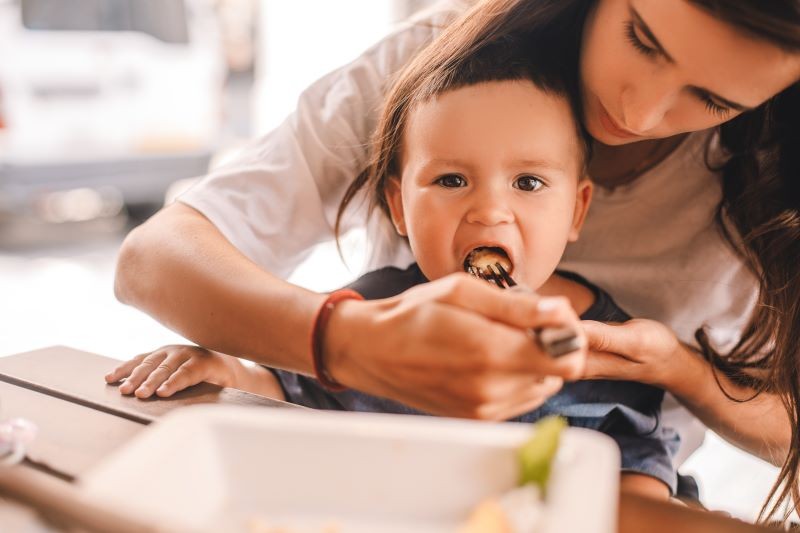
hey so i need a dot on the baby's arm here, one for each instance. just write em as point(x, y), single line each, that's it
point(644, 485)
point(170, 369)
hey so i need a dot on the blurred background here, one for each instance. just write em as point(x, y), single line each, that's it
point(109, 107)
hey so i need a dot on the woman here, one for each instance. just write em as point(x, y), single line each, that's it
point(658, 77)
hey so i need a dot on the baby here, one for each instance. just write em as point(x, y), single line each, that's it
point(485, 157)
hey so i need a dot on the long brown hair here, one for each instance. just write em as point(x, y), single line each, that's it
point(761, 199)
point(759, 214)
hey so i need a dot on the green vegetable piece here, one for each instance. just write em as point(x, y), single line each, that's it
point(536, 455)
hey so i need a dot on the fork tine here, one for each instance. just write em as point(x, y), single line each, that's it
point(506, 276)
point(497, 277)
point(492, 276)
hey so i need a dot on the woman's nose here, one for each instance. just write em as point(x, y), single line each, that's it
point(644, 106)
point(489, 210)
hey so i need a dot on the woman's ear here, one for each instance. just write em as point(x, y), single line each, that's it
point(394, 197)
point(583, 198)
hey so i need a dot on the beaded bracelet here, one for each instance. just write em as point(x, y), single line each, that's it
point(318, 336)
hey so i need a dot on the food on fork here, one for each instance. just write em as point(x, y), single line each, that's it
point(485, 263)
point(484, 257)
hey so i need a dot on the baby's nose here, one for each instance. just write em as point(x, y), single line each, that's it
point(489, 211)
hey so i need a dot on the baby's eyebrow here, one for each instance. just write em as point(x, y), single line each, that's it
point(446, 162)
point(541, 163)
point(546, 164)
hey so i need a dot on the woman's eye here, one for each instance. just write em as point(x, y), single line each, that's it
point(451, 181)
point(528, 183)
point(714, 108)
point(630, 35)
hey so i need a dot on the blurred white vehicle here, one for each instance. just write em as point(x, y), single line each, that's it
point(110, 99)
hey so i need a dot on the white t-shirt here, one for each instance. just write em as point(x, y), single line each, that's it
point(655, 247)
point(653, 244)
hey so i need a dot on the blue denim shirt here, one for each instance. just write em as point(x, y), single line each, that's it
point(626, 411)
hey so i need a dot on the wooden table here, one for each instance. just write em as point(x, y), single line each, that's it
point(81, 420)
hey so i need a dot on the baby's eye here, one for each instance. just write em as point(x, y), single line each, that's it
point(451, 181)
point(528, 183)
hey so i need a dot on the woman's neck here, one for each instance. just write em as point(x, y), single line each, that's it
point(612, 166)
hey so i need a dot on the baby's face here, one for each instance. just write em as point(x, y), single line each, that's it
point(496, 164)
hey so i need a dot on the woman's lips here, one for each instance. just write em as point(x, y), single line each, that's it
point(610, 125)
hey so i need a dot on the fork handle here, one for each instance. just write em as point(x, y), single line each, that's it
point(556, 341)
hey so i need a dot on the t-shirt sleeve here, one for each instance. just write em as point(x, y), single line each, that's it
point(281, 195)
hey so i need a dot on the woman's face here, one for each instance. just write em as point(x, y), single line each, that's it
point(657, 68)
point(495, 164)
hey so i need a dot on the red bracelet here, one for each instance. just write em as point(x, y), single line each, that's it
point(318, 336)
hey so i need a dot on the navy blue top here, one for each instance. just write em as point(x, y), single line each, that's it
point(626, 411)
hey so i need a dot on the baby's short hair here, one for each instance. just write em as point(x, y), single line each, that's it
point(509, 60)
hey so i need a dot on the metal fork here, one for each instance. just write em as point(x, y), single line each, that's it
point(554, 341)
point(495, 274)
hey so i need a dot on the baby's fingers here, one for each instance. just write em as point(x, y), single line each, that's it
point(124, 370)
point(169, 366)
point(137, 376)
point(183, 378)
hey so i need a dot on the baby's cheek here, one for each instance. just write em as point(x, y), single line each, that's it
point(543, 254)
point(431, 253)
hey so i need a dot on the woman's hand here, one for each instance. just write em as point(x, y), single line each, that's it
point(173, 368)
point(456, 346)
point(637, 350)
point(649, 352)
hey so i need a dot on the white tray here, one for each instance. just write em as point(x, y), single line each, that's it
point(223, 468)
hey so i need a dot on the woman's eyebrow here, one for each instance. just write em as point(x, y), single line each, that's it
point(699, 90)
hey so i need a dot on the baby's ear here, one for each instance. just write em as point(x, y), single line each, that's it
point(393, 193)
point(583, 198)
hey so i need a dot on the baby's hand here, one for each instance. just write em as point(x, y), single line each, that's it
point(173, 368)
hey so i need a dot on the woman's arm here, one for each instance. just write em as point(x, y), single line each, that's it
point(178, 268)
point(649, 352)
point(456, 346)
point(760, 426)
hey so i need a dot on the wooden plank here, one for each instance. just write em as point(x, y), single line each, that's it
point(65, 505)
point(77, 376)
point(71, 439)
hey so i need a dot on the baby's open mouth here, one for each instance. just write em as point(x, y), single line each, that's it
point(483, 256)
